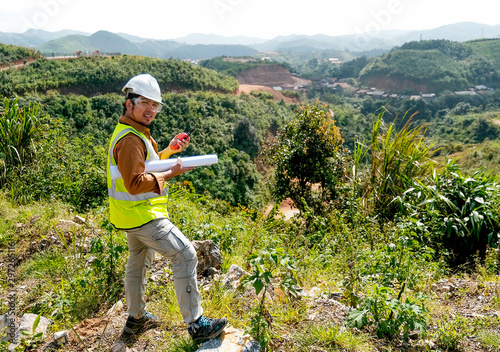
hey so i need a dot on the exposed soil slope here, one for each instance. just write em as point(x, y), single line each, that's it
point(269, 76)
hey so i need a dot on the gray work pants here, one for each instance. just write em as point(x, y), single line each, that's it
point(162, 236)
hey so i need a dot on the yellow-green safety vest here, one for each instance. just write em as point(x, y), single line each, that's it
point(129, 211)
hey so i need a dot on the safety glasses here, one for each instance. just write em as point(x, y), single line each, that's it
point(147, 104)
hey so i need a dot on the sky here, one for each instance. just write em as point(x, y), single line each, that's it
point(266, 19)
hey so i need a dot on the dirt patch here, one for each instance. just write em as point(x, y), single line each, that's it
point(247, 88)
point(17, 63)
point(397, 85)
point(268, 75)
point(287, 208)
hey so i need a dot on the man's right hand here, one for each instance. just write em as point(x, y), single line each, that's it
point(176, 170)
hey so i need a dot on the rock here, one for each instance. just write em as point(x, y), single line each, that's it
point(312, 293)
point(231, 340)
point(209, 256)
point(232, 279)
point(79, 220)
point(119, 346)
point(117, 307)
point(61, 337)
point(26, 324)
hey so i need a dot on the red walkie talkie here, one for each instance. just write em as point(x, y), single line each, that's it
point(181, 136)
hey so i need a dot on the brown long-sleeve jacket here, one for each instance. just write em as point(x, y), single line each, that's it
point(130, 154)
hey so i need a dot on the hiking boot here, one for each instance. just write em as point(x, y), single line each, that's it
point(135, 327)
point(205, 328)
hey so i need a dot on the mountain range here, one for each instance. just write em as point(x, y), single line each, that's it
point(204, 46)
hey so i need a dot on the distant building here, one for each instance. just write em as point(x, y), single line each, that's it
point(287, 87)
point(341, 87)
point(376, 94)
point(362, 92)
point(480, 87)
point(428, 97)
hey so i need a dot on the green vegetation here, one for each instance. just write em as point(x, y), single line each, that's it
point(11, 53)
point(99, 75)
point(488, 49)
point(233, 66)
point(433, 66)
point(313, 64)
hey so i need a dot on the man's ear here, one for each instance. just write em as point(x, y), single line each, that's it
point(128, 104)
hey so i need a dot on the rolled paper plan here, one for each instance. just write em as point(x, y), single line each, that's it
point(164, 165)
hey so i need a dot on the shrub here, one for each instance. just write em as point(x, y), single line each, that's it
point(398, 158)
point(389, 315)
point(463, 211)
point(20, 129)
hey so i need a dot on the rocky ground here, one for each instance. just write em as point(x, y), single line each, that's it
point(467, 297)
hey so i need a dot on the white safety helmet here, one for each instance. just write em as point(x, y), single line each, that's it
point(145, 85)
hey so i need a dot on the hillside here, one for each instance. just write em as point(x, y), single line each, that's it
point(432, 66)
point(13, 55)
point(92, 76)
point(488, 49)
point(267, 75)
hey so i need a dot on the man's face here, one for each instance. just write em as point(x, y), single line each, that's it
point(142, 110)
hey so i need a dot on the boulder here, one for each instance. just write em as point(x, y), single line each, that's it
point(209, 256)
point(232, 279)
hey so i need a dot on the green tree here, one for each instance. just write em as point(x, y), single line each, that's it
point(309, 159)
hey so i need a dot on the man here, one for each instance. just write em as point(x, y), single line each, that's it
point(137, 205)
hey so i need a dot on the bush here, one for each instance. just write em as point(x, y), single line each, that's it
point(20, 129)
point(73, 171)
point(398, 158)
point(462, 212)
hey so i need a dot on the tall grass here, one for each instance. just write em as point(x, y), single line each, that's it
point(397, 159)
point(20, 128)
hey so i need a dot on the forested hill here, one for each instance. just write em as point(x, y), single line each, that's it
point(11, 54)
point(97, 75)
point(434, 66)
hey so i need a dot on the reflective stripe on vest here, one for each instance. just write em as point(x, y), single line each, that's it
point(126, 210)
